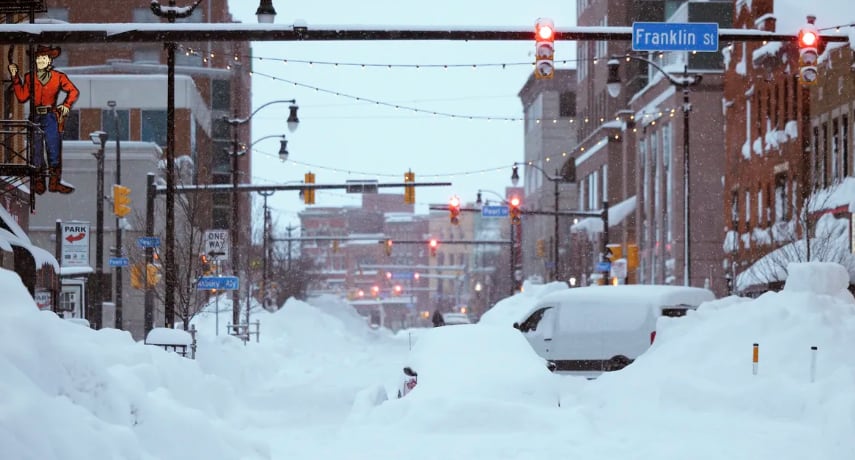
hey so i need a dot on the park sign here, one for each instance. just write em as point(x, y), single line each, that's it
point(675, 36)
point(75, 244)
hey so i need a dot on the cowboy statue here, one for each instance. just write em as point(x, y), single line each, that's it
point(49, 116)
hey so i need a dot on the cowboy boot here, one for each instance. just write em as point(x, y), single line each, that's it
point(56, 184)
point(39, 182)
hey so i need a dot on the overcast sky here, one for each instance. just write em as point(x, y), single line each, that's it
point(341, 138)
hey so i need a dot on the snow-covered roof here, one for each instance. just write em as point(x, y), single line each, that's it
point(16, 236)
point(617, 214)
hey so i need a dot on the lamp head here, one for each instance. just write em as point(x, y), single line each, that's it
point(283, 149)
point(515, 175)
point(265, 12)
point(98, 137)
point(478, 199)
point(613, 83)
point(293, 121)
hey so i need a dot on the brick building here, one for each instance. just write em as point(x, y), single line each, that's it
point(787, 147)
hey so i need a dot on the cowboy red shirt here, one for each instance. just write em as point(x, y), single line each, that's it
point(48, 92)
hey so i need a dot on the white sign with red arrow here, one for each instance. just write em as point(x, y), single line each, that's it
point(75, 244)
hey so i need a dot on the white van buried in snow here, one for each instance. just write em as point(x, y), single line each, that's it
point(603, 328)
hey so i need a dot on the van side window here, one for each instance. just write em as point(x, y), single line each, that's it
point(675, 311)
point(531, 323)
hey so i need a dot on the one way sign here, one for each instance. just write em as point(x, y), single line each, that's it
point(217, 244)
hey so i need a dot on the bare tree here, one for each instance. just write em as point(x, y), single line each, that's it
point(812, 235)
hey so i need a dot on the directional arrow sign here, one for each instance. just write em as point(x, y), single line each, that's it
point(494, 211)
point(222, 283)
point(675, 36)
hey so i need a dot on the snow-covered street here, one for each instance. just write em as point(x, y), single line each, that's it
point(314, 387)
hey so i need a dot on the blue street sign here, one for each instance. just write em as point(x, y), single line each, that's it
point(675, 36)
point(221, 283)
point(402, 275)
point(119, 262)
point(148, 242)
point(494, 211)
point(604, 266)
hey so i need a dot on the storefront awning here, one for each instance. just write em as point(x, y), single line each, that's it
point(617, 214)
point(11, 234)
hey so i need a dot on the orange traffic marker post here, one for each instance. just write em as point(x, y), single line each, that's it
point(755, 358)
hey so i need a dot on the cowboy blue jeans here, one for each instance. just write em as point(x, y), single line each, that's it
point(50, 141)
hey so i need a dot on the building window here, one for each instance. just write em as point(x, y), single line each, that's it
point(734, 211)
point(780, 197)
point(567, 104)
point(786, 99)
point(822, 155)
point(72, 126)
point(747, 209)
point(154, 127)
point(760, 205)
point(221, 94)
point(835, 151)
point(108, 124)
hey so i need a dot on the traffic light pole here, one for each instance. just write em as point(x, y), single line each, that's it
point(119, 252)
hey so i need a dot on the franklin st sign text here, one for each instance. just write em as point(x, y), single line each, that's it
point(675, 36)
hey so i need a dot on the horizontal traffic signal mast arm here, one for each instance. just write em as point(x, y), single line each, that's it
point(160, 189)
point(536, 212)
point(18, 34)
point(444, 243)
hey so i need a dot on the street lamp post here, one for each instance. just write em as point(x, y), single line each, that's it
point(99, 138)
point(557, 179)
point(234, 122)
point(513, 261)
point(119, 252)
point(684, 82)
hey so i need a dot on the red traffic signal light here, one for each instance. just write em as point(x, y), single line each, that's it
point(454, 210)
point(809, 43)
point(808, 37)
point(515, 211)
point(433, 244)
point(544, 49)
point(388, 247)
point(398, 289)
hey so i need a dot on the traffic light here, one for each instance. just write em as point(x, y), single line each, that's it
point(454, 210)
point(398, 289)
point(121, 200)
point(375, 290)
point(544, 32)
point(387, 245)
point(541, 249)
point(136, 277)
point(309, 193)
point(153, 274)
point(515, 211)
point(206, 266)
point(614, 252)
point(631, 256)
point(433, 244)
point(409, 190)
point(335, 246)
point(808, 53)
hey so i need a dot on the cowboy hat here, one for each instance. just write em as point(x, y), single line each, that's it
point(49, 51)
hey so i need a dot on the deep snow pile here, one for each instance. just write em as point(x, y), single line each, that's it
point(512, 309)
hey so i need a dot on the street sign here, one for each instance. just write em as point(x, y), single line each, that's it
point(119, 262)
point(402, 275)
point(618, 269)
point(494, 211)
point(148, 242)
point(604, 266)
point(75, 244)
point(675, 36)
point(217, 244)
point(221, 283)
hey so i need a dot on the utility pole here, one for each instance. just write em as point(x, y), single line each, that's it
point(119, 252)
point(265, 271)
point(289, 229)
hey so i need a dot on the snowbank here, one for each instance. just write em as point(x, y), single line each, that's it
point(512, 309)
